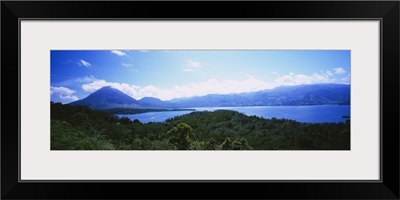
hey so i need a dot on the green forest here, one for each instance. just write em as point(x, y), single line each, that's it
point(80, 128)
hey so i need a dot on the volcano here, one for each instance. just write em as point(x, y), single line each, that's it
point(108, 97)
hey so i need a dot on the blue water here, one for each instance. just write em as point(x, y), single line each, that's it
point(154, 116)
point(314, 114)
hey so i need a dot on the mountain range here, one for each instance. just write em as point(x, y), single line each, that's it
point(313, 94)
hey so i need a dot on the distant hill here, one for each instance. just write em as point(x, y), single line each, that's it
point(108, 97)
point(315, 94)
point(154, 103)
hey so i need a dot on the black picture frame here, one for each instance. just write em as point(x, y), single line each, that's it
point(386, 11)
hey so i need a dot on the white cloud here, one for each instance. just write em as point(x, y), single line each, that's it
point(85, 79)
point(275, 73)
point(61, 90)
point(213, 86)
point(346, 80)
point(77, 81)
point(339, 70)
point(191, 66)
point(299, 79)
point(63, 93)
point(69, 97)
point(118, 52)
point(127, 65)
point(329, 73)
point(85, 63)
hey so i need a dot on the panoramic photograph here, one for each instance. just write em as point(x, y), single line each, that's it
point(200, 99)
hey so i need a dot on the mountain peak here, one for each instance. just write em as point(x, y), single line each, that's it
point(107, 97)
point(106, 88)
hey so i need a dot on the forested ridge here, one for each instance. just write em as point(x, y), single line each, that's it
point(80, 128)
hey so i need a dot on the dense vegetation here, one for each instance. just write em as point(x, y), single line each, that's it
point(80, 128)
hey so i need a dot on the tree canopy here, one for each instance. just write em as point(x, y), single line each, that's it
point(78, 127)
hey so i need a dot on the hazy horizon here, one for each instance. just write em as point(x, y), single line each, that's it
point(166, 75)
point(205, 94)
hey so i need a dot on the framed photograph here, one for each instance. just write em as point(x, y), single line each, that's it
point(290, 96)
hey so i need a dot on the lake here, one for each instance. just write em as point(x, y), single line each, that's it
point(314, 114)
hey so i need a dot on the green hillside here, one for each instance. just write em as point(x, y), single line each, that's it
point(80, 128)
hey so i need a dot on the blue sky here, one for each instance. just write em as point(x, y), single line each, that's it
point(182, 73)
